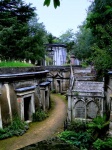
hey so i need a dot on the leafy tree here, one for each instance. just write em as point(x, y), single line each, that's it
point(34, 46)
point(21, 36)
point(68, 39)
point(14, 16)
point(11, 9)
point(100, 22)
point(51, 38)
point(83, 43)
point(56, 3)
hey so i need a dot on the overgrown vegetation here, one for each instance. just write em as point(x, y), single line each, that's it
point(16, 128)
point(103, 144)
point(80, 139)
point(14, 64)
point(85, 135)
point(39, 115)
point(76, 125)
point(98, 127)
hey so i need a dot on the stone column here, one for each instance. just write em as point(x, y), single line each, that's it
point(42, 91)
point(69, 106)
point(0, 117)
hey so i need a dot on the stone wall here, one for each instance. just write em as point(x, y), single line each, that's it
point(59, 76)
point(22, 94)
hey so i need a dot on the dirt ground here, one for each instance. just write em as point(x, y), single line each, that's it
point(42, 130)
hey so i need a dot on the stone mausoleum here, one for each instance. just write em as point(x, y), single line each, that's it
point(57, 53)
point(85, 95)
point(22, 92)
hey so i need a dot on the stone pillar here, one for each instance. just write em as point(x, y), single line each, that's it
point(0, 117)
point(20, 107)
point(102, 106)
point(72, 60)
point(42, 91)
point(69, 106)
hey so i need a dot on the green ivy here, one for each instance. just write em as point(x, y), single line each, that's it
point(103, 145)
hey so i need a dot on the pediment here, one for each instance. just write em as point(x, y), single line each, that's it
point(58, 75)
point(50, 75)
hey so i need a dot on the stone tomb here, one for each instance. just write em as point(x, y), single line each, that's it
point(85, 100)
point(22, 94)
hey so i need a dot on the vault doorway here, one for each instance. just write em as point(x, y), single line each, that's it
point(59, 86)
point(28, 108)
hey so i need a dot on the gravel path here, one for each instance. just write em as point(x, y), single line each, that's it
point(42, 130)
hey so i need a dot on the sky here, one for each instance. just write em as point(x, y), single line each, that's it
point(69, 15)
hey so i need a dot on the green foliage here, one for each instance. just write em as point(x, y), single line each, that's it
point(83, 43)
point(99, 127)
point(48, 60)
point(99, 20)
point(84, 64)
point(93, 42)
point(77, 126)
point(103, 145)
point(79, 139)
point(84, 134)
point(56, 3)
point(14, 64)
point(39, 115)
point(21, 35)
point(16, 128)
point(102, 61)
point(68, 39)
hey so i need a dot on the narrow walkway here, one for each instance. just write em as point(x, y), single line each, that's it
point(42, 130)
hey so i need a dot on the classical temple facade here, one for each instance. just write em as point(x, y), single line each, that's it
point(56, 55)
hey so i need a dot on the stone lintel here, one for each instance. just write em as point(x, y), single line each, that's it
point(44, 84)
point(25, 74)
point(23, 89)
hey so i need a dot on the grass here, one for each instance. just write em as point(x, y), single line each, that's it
point(14, 64)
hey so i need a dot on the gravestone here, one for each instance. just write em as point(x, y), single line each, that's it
point(92, 110)
point(80, 109)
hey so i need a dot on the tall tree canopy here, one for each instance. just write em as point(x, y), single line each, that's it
point(21, 36)
point(68, 38)
point(83, 43)
point(99, 21)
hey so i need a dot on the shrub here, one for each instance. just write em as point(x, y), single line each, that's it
point(39, 115)
point(16, 128)
point(103, 145)
point(81, 139)
point(77, 125)
point(99, 126)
